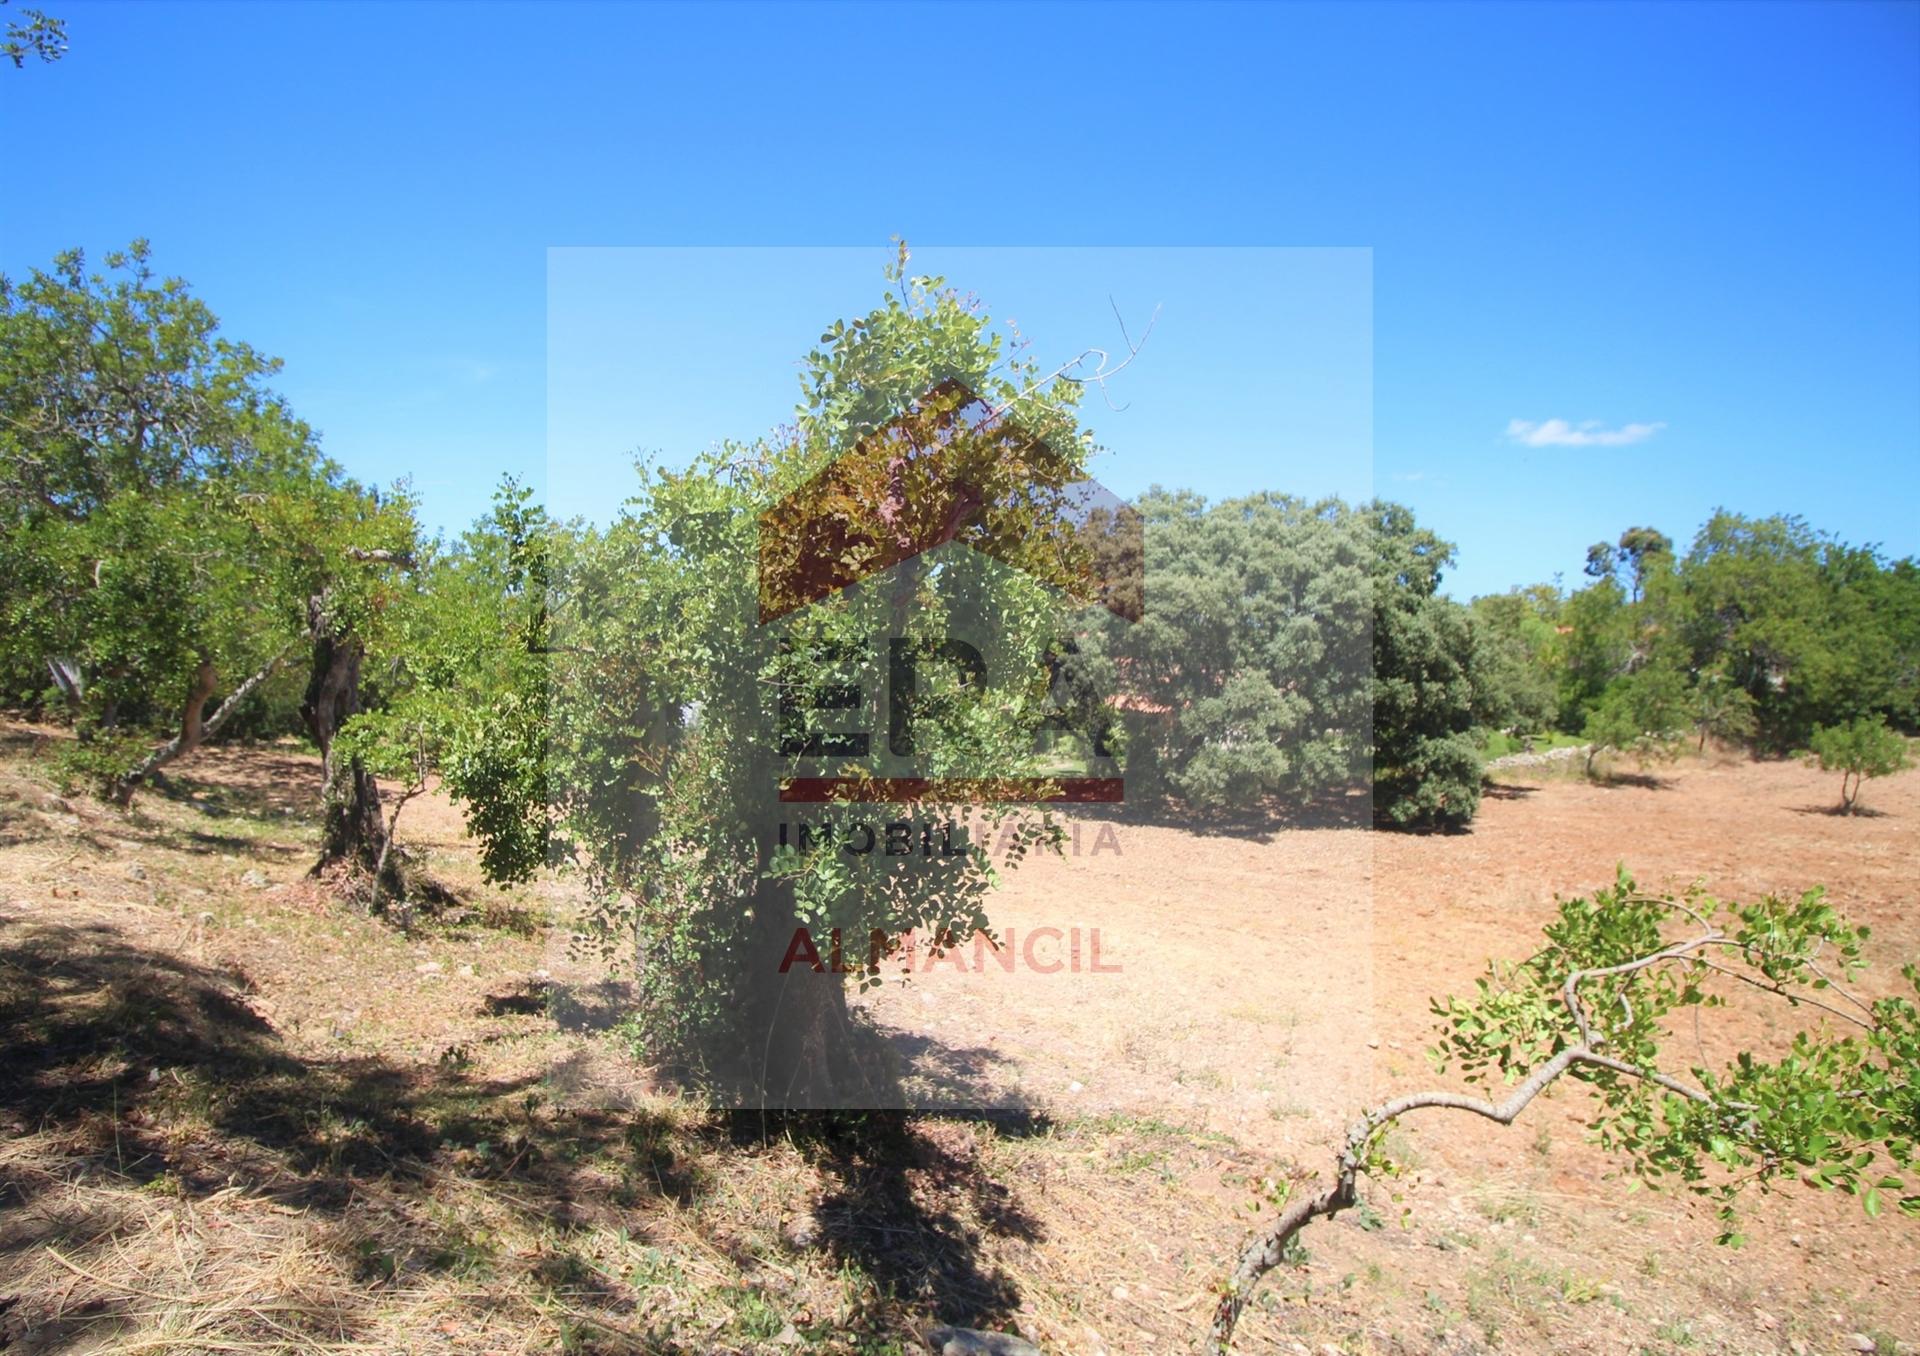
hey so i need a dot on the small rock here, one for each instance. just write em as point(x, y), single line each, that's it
point(800, 1234)
point(1076, 1086)
point(1329, 1349)
point(135, 871)
point(1859, 1341)
point(254, 880)
point(1797, 1241)
point(1119, 1292)
point(973, 1342)
point(466, 972)
point(1765, 1321)
point(788, 1336)
point(1373, 1045)
point(427, 968)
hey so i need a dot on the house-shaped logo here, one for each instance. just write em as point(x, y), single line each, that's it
point(950, 471)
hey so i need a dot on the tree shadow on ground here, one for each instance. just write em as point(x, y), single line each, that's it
point(129, 1074)
point(250, 782)
point(106, 1041)
point(1259, 823)
point(909, 1203)
point(1834, 811)
point(1636, 781)
point(1507, 791)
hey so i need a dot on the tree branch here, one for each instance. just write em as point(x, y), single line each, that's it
point(194, 731)
point(1266, 1250)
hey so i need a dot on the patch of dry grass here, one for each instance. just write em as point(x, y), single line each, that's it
point(237, 1115)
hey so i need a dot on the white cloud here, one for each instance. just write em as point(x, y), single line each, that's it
point(1560, 433)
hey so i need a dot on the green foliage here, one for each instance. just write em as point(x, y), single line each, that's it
point(1513, 644)
point(1644, 713)
point(1838, 1105)
point(1595, 648)
point(1644, 550)
point(647, 735)
point(1246, 677)
point(1289, 649)
point(1860, 749)
point(1721, 709)
point(1640, 553)
point(463, 692)
point(164, 518)
point(1771, 626)
point(35, 33)
point(1427, 766)
point(1814, 631)
point(467, 695)
point(93, 765)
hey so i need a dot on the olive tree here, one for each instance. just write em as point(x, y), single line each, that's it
point(463, 696)
point(1644, 714)
point(1862, 748)
point(1837, 1108)
point(695, 674)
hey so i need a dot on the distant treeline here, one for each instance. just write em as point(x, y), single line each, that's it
point(1290, 647)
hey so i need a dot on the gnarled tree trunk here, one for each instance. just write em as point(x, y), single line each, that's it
point(352, 831)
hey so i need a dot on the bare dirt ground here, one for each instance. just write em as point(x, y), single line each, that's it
point(236, 1115)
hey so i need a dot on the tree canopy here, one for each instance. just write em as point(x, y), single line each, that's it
point(164, 517)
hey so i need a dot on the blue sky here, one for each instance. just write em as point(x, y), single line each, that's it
point(1700, 218)
point(1254, 365)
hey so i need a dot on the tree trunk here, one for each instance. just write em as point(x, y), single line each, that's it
point(804, 1050)
point(352, 831)
point(68, 678)
point(194, 730)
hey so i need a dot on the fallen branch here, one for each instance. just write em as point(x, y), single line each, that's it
point(1748, 1122)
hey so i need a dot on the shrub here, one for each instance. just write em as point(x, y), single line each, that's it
point(1862, 748)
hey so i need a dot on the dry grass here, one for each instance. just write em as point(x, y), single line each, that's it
point(238, 1116)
